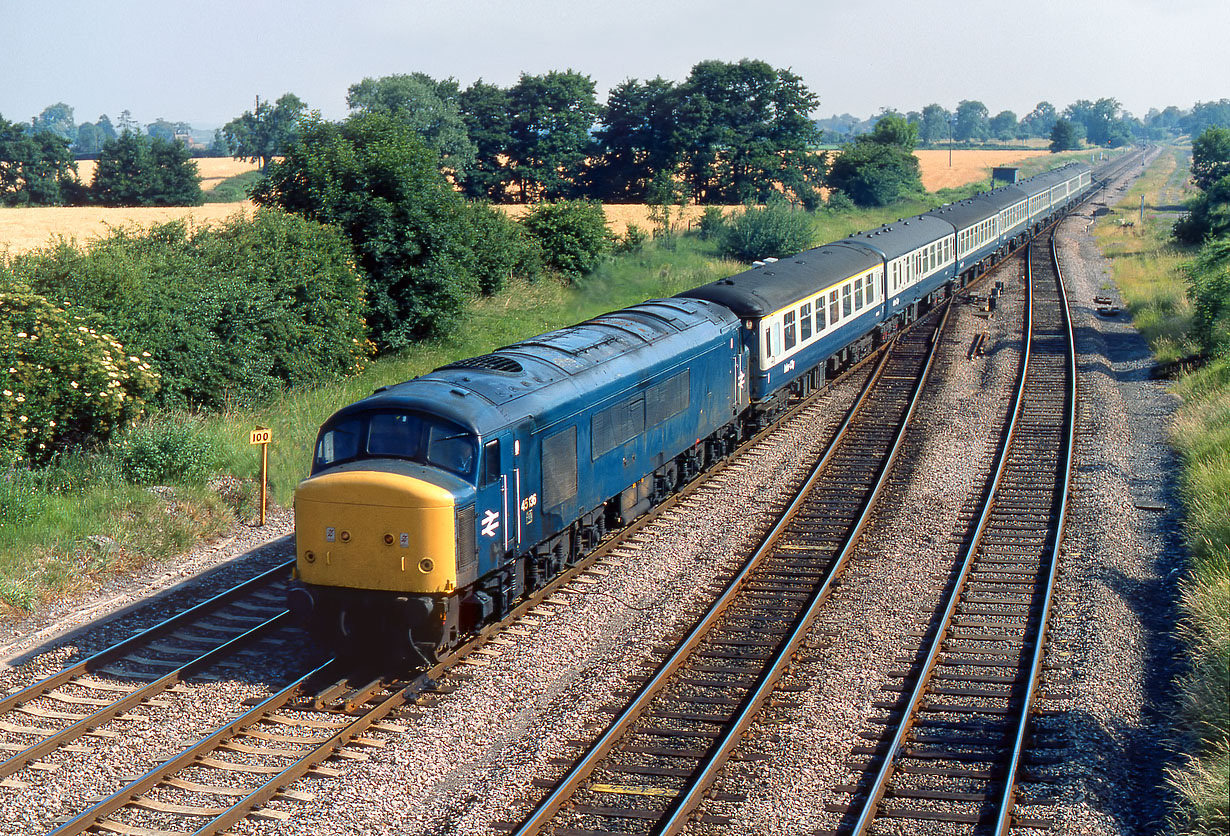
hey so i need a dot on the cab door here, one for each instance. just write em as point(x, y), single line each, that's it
point(496, 511)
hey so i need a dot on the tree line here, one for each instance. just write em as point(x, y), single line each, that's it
point(1101, 122)
point(37, 168)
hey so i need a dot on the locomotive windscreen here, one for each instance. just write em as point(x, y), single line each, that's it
point(399, 435)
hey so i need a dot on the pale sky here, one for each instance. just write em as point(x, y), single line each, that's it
point(204, 62)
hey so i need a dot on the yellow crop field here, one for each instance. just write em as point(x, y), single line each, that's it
point(26, 229)
point(967, 166)
point(213, 170)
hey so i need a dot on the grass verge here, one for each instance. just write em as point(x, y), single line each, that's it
point(1146, 268)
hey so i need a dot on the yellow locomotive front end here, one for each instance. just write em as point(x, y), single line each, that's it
point(368, 529)
point(377, 534)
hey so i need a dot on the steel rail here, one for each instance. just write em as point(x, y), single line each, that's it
point(559, 796)
point(583, 768)
point(87, 724)
point(879, 783)
point(120, 798)
point(115, 651)
point(679, 817)
point(1007, 799)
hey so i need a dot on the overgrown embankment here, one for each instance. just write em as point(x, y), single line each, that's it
point(1180, 301)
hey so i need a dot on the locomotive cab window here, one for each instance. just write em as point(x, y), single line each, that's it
point(399, 435)
point(491, 462)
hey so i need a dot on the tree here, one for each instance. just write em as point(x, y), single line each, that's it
point(429, 107)
point(635, 138)
point(1207, 115)
point(92, 136)
point(485, 111)
point(36, 169)
point(572, 233)
point(934, 125)
point(128, 125)
point(1210, 157)
point(1096, 117)
point(1039, 121)
point(415, 238)
point(1004, 126)
point(741, 128)
point(874, 174)
point(259, 136)
point(774, 231)
point(552, 116)
point(170, 131)
point(973, 123)
point(1208, 288)
point(134, 170)
point(1064, 136)
point(57, 119)
point(893, 129)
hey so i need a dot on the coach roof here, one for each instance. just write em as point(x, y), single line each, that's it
point(762, 290)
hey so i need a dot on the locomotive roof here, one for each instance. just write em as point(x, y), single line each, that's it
point(479, 393)
point(763, 290)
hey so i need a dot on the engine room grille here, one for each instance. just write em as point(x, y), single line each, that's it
point(466, 553)
point(491, 362)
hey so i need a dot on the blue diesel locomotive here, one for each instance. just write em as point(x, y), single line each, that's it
point(434, 504)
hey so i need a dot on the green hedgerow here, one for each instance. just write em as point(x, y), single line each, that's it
point(774, 231)
point(572, 233)
point(65, 383)
point(165, 450)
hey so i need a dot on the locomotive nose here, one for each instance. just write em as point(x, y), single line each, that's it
point(369, 529)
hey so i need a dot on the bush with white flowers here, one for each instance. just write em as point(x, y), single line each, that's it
point(64, 382)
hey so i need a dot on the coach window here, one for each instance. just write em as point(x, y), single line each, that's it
point(789, 321)
point(858, 293)
point(833, 313)
point(805, 323)
point(820, 323)
point(845, 300)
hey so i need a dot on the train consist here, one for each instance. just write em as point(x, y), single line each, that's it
point(434, 504)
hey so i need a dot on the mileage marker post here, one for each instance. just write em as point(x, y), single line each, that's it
point(262, 436)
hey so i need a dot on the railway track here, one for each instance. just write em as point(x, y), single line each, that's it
point(81, 699)
point(650, 768)
point(317, 717)
point(955, 734)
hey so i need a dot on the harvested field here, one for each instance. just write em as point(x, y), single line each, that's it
point(213, 170)
point(619, 215)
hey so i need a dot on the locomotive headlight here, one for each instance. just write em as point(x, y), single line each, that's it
point(344, 536)
point(426, 565)
point(388, 539)
point(310, 557)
